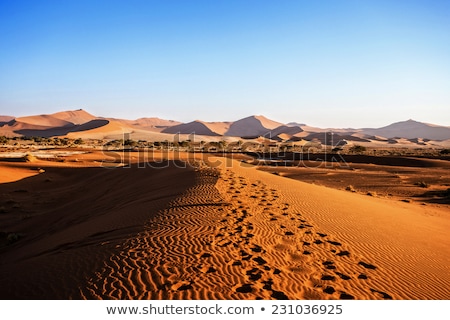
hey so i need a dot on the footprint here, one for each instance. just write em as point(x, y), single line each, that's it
point(279, 295)
point(256, 248)
point(346, 296)
point(245, 255)
point(268, 284)
point(246, 288)
point(343, 276)
point(329, 290)
point(334, 243)
point(384, 295)
point(276, 271)
point(329, 265)
point(254, 274)
point(259, 260)
point(367, 265)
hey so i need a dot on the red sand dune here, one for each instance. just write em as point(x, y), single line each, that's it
point(76, 117)
point(223, 231)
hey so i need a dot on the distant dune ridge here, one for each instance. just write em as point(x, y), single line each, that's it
point(79, 123)
point(76, 117)
point(5, 119)
point(200, 127)
point(411, 129)
point(252, 126)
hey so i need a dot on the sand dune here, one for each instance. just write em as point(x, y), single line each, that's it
point(243, 234)
point(71, 219)
point(329, 138)
point(223, 231)
point(32, 128)
point(46, 125)
point(40, 121)
point(396, 238)
point(200, 127)
point(101, 129)
point(69, 122)
point(147, 123)
point(284, 132)
point(5, 119)
point(76, 116)
point(252, 126)
point(411, 129)
point(41, 131)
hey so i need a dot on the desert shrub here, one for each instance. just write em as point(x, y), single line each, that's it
point(357, 149)
point(350, 188)
point(29, 158)
point(445, 151)
point(130, 142)
point(184, 143)
point(4, 139)
point(78, 141)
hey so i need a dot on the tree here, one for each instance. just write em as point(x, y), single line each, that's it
point(130, 142)
point(184, 143)
point(222, 144)
point(357, 149)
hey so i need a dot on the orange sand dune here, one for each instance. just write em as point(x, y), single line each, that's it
point(74, 116)
point(70, 221)
point(223, 231)
point(40, 121)
point(200, 127)
point(408, 244)
point(252, 126)
point(16, 173)
point(245, 234)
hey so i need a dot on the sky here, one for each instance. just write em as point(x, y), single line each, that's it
point(329, 64)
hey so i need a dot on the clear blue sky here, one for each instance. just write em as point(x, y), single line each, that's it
point(324, 63)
